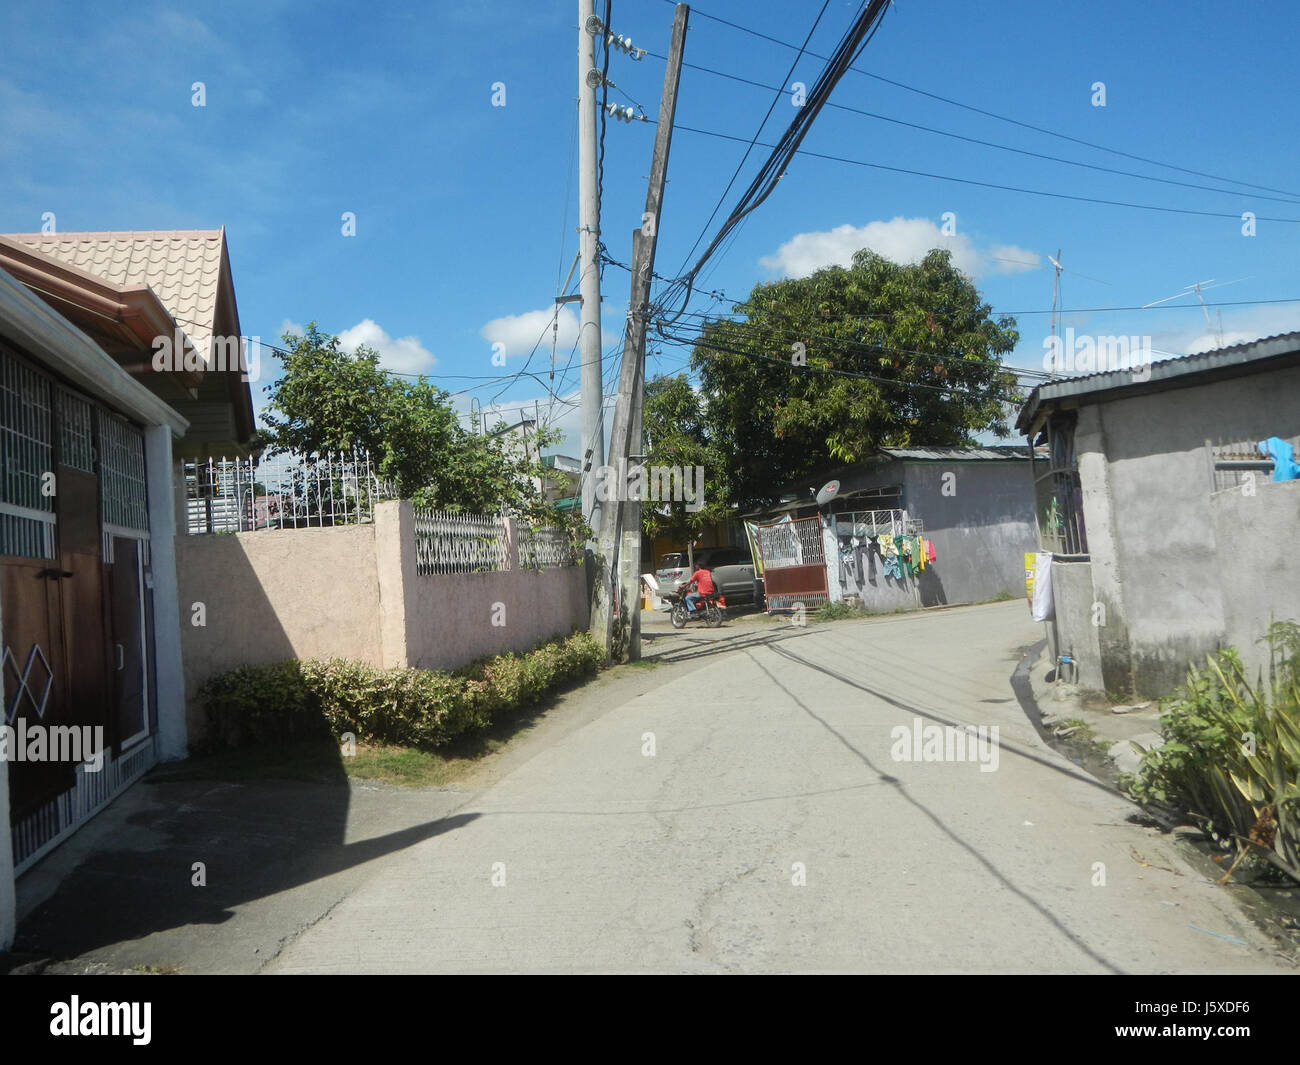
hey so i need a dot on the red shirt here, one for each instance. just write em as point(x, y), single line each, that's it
point(703, 582)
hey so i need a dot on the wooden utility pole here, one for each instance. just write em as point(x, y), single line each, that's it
point(619, 563)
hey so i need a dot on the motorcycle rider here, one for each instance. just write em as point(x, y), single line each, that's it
point(703, 581)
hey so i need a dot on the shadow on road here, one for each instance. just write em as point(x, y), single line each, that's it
point(901, 788)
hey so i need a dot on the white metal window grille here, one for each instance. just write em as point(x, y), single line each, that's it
point(76, 432)
point(459, 543)
point(122, 485)
point(544, 548)
point(862, 523)
point(26, 461)
point(791, 543)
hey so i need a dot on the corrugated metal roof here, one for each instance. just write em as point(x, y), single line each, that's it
point(183, 267)
point(1182, 370)
point(994, 453)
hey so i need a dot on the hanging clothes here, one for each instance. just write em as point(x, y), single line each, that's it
point(1282, 454)
point(929, 550)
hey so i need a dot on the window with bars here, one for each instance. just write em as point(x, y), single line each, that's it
point(26, 461)
point(1058, 491)
point(122, 484)
point(76, 432)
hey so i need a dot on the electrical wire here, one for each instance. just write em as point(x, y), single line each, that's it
point(993, 144)
point(1004, 188)
point(1001, 118)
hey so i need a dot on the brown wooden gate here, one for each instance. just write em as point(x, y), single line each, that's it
point(61, 598)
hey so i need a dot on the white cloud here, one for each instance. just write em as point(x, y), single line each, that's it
point(520, 333)
point(901, 240)
point(400, 354)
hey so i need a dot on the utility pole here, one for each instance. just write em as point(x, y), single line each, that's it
point(589, 351)
point(619, 564)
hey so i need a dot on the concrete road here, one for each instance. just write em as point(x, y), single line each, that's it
point(748, 808)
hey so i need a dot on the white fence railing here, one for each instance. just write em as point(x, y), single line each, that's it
point(545, 549)
point(459, 543)
point(281, 492)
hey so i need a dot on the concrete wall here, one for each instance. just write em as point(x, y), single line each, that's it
point(353, 592)
point(1160, 568)
point(276, 594)
point(1258, 565)
point(1072, 631)
point(981, 530)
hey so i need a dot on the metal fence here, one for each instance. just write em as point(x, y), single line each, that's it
point(545, 548)
point(281, 492)
point(1235, 463)
point(459, 543)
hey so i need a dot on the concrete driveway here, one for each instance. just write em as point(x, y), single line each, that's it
point(766, 799)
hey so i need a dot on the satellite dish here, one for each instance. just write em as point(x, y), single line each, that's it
point(829, 491)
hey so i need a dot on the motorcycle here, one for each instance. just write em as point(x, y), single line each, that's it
point(711, 610)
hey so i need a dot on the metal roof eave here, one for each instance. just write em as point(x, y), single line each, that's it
point(1257, 356)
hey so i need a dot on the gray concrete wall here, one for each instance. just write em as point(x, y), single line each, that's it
point(1147, 500)
point(1258, 565)
point(981, 531)
point(1072, 630)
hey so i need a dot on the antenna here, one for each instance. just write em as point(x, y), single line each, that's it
point(1197, 288)
point(1056, 292)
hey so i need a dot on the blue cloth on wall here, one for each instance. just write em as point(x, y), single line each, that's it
point(1282, 454)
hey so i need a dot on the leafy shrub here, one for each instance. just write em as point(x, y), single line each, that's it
point(285, 701)
point(840, 611)
point(1232, 749)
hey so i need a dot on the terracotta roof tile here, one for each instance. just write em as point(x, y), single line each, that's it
point(182, 267)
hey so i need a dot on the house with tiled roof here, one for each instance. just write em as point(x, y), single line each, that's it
point(120, 355)
point(124, 286)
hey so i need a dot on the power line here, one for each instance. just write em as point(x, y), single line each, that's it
point(757, 133)
point(1003, 188)
point(894, 382)
point(1003, 118)
point(774, 167)
point(991, 144)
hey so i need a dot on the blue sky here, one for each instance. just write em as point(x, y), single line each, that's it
point(465, 212)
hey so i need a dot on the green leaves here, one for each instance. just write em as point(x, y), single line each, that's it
point(329, 400)
point(894, 355)
point(1232, 748)
point(284, 701)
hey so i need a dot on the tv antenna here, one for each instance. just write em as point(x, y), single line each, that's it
point(1196, 288)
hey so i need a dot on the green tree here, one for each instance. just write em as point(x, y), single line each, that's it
point(895, 356)
point(675, 435)
point(328, 399)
